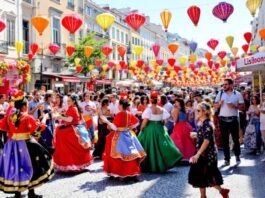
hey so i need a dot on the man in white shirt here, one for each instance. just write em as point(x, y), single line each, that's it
point(229, 101)
point(114, 105)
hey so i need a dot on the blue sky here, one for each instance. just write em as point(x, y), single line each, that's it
point(209, 26)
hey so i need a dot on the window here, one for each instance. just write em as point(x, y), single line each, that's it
point(71, 37)
point(113, 32)
point(25, 25)
point(122, 37)
point(70, 4)
point(118, 35)
point(11, 32)
point(127, 40)
point(56, 30)
point(80, 33)
point(114, 51)
point(89, 11)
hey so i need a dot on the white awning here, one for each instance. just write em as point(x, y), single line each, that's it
point(255, 62)
point(59, 85)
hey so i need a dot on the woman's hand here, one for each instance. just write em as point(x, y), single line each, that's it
point(194, 159)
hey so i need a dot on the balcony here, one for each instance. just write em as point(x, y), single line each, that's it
point(3, 47)
point(70, 5)
point(81, 10)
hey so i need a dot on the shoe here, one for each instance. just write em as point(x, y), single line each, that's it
point(258, 153)
point(224, 192)
point(238, 159)
point(227, 163)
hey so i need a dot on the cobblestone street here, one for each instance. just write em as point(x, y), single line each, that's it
point(246, 180)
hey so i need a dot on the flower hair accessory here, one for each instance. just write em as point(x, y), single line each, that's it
point(154, 94)
point(17, 95)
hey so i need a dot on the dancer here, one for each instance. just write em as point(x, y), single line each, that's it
point(71, 142)
point(123, 152)
point(204, 170)
point(24, 163)
point(103, 130)
point(182, 129)
point(162, 154)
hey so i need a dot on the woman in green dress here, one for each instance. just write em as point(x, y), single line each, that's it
point(162, 154)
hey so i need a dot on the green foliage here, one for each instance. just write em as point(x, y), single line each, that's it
point(90, 40)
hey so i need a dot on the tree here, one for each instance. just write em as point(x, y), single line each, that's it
point(90, 40)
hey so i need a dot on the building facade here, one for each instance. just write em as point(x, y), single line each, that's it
point(258, 23)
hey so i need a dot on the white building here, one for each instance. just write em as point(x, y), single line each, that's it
point(257, 24)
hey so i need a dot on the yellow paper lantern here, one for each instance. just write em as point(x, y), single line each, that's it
point(193, 58)
point(88, 51)
point(91, 67)
point(104, 67)
point(152, 63)
point(253, 5)
point(182, 60)
point(234, 51)
point(166, 16)
point(138, 50)
point(19, 47)
point(105, 20)
point(230, 41)
point(133, 64)
point(77, 61)
point(253, 48)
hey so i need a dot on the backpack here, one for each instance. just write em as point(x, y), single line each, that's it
point(222, 91)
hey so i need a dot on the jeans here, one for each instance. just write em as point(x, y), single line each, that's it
point(227, 128)
point(256, 122)
point(91, 132)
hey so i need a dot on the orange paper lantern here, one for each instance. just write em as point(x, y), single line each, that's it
point(40, 23)
point(262, 33)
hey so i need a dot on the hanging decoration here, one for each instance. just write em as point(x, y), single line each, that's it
point(262, 33)
point(248, 37)
point(2, 25)
point(223, 11)
point(106, 50)
point(166, 16)
point(19, 47)
point(121, 51)
point(70, 49)
point(221, 54)
point(30, 56)
point(138, 50)
point(88, 51)
point(230, 41)
point(72, 22)
point(135, 20)
point(54, 48)
point(173, 47)
point(213, 43)
point(171, 61)
point(34, 48)
point(156, 49)
point(77, 61)
point(105, 20)
point(234, 51)
point(253, 5)
point(194, 13)
point(40, 23)
point(193, 46)
point(245, 48)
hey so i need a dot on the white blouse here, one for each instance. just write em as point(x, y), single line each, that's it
point(147, 114)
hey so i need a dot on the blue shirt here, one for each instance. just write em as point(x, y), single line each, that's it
point(32, 105)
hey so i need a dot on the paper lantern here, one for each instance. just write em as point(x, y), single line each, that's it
point(40, 23)
point(223, 11)
point(193, 46)
point(135, 20)
point(213, 43)
point(248, 37)
point(193, 58)
point(104, 67)
point(121, 51)
point(77, 61)
point(208, 56)
point(194, 13)
point(30, 56)
point(182, 60)
point(72, 22)
point(156, 49)
point(262, 33)
point(98, 62)
point(88, 51)
point(90, 67)
point(253, 5)
point(173, 47)
point(245, 48)
point(19, 47)
point(34, 47)
point(54, 48)
point(79, 68)
point(106, 50)
point(140, 63)
point(2, 25)
point(234, 51)
point(159, 62)
point(166, 16)
point(138, 50)
point(230, 41)
point(171, 61)
point(70, 49)
point(105, 20)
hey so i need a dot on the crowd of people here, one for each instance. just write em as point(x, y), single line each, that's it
point(131, 131)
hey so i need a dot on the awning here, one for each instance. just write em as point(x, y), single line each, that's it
point(70, 79)
point(59, 85)
point(103, 82)
point(255, 62)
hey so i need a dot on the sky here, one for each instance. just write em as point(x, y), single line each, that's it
point(208, 27)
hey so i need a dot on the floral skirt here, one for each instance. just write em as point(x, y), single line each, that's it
point(24, 165)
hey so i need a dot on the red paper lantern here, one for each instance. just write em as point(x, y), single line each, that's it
point(159, 62)
point(194, 13)
point(212, 43)
point(140, 63)
point(177, 68)
point(123, 64)
point(111, 64)
point(192, 67)
point(106, 50)
point(72, 22)
point(216, 65)
point(79, 69)
point(245, 48)
point(30, 56)
point(210, 64)
point(54, 48)
point(221, 54)
point(156, 49)
point(98, 63)
point(70, 50)
point(135, 20)
point(121, 51)
point(248, 37)
point(34, 48)
point(171, 61)
point(2, 25)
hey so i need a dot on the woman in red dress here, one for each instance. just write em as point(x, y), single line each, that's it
point(72, 143)
point(123, 151)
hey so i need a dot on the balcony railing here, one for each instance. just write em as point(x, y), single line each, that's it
point(3, 47)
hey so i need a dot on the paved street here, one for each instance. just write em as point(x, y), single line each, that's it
point(245, 181)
